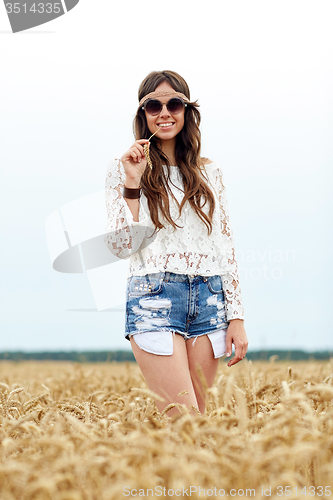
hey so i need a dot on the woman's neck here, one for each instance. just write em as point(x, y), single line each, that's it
point(168, 148)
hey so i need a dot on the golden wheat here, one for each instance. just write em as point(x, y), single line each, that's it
point(73, 431)
point(146, 150)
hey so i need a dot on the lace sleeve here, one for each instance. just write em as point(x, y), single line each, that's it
point(230, 280)
point(123, 235)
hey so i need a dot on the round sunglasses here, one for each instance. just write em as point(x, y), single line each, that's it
point(174, 106)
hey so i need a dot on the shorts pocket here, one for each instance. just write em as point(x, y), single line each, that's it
point(214, 284)
point(150, 284)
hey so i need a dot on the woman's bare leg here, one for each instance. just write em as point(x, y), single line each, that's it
point(201, 353)
point(167, 376)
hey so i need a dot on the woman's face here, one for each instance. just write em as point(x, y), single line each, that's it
point(170, 124)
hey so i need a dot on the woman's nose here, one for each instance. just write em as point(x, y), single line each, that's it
point(164, 111)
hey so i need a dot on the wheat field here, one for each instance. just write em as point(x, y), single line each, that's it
point(71, 431)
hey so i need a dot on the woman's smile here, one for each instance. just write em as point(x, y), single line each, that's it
point(165, 124)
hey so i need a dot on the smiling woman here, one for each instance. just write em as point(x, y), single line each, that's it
point(182, 283)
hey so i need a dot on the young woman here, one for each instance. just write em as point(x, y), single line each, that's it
point(167, 212)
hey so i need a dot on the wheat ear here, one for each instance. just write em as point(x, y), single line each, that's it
point(146, 150)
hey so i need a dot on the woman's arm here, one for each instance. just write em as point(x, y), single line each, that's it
point(134, 162)
point(126, 225)
point(133, 204)
point(230, 282)
point(230, 279)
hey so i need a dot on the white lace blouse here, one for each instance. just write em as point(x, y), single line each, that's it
point(188, 249)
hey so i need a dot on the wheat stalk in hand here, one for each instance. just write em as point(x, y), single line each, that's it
point(146, 150)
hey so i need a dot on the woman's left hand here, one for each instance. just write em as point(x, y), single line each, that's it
point(236, 335)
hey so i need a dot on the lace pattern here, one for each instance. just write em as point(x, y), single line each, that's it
point(188, 249)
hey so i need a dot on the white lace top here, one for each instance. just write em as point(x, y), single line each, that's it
point(186, 250)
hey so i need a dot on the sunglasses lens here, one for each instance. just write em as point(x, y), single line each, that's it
point(175, 106)
point(153, 107)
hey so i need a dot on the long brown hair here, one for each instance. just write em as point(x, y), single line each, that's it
point(155, 182)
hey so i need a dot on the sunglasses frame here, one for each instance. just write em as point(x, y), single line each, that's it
point(166, 104)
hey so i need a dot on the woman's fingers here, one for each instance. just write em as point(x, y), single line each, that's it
point(140, 148)
point(240, 352)
point(136, 152)
point(141, 141)
point(134, 160)
point(236, 335)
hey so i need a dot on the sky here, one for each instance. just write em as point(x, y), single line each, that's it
point(262, 72)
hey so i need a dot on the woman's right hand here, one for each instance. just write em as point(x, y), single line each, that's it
point(135, 162)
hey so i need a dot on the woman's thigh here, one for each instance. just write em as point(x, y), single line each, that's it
point(167, 376)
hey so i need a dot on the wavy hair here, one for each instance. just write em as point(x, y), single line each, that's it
point(155, 182)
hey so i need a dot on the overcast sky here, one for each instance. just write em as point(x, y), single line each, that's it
point(263, 75)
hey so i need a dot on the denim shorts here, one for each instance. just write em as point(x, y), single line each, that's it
point(161, 304)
